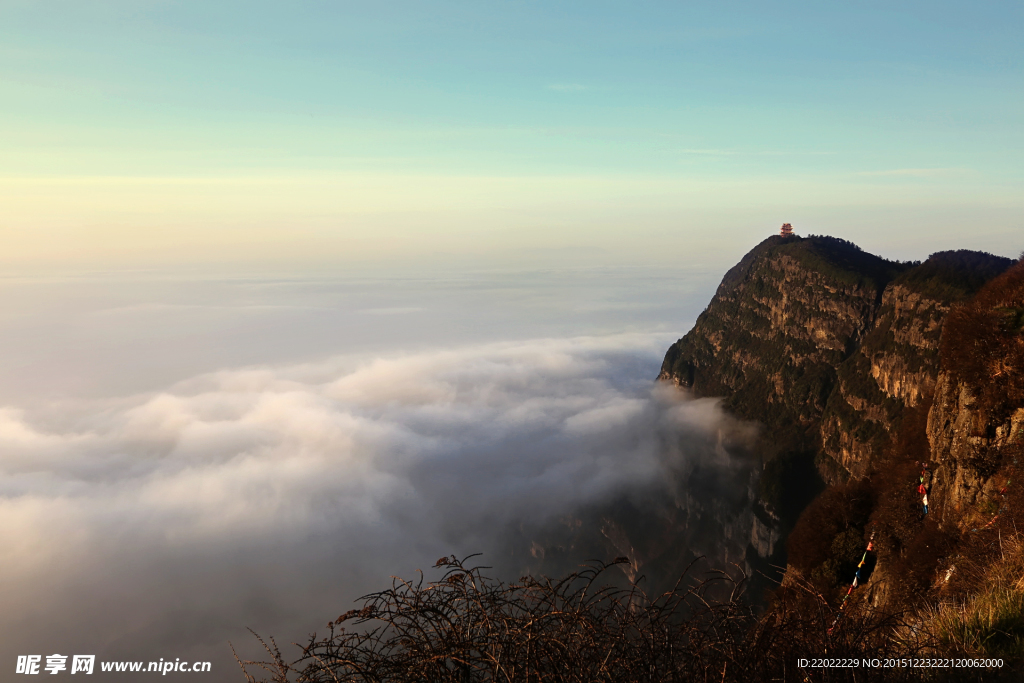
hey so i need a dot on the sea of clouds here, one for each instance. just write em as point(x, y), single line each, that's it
point(164, 524)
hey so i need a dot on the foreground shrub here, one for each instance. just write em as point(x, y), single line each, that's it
point(467, 627)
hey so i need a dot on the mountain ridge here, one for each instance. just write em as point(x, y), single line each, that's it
point(845, 359)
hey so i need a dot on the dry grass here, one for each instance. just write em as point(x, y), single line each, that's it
point(988, 622)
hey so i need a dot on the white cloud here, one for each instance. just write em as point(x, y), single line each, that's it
point(261, 497)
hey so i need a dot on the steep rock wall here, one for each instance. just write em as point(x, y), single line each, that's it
point(976, 423)
point(969, 446)
point(954, 402)
point(897, 364)
point(779, 326)
point(837, 353)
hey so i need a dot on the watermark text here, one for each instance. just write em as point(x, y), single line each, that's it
point(54, 664)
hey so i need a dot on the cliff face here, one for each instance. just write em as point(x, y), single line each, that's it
point(897, 365)
point(912, 322)
point(969, 446)
point(976, 424)
point(777, 330)
point(826, 345)
point(859, 369)
point(893, 369)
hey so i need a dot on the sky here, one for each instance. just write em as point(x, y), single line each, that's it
point(298, 296)
point(258, 136)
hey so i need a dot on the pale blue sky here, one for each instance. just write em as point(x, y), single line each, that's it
point(346, 130)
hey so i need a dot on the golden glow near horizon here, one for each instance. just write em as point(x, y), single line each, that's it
point(374, 217)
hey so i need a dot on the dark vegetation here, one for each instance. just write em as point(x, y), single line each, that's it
point(467, 627)
point(790, 481)
point(844, 261)
point(983, 344)
point(833, 257)
point(830, 537)
point(953, 275)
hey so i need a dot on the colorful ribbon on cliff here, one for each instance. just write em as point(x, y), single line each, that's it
point(856, 581)
point(922, 489)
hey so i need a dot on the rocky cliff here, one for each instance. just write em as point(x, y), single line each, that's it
point(778, 328)
point(976, 423)
point(896, 366)
point(825, 344)
point(846, 359)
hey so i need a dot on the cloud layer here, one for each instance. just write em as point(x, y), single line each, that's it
point(164, 524)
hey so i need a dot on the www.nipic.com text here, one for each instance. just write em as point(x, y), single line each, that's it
point(86, 664)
